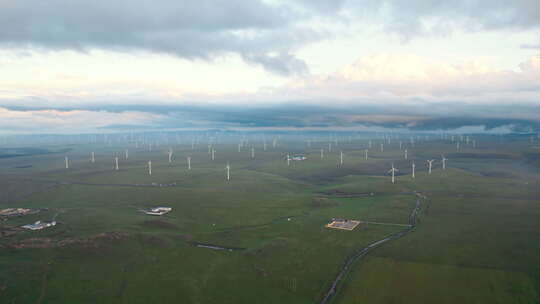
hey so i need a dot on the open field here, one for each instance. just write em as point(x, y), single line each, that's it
point(477, 238)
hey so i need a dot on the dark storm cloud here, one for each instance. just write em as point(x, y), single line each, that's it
point(261, 33)
point(302, 116)
point(189, 29)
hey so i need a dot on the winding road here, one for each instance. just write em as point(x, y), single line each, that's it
point(363, 251)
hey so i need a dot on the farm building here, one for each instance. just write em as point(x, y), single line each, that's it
point(339, 223)
point(158, 210)
point(39, 225)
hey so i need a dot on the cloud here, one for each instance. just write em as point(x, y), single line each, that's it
point(202, 29)
point(68, 121)
point(266, 33)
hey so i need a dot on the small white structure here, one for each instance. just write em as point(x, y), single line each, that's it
point(298, 157)
point(158, 210)
point(39, 225)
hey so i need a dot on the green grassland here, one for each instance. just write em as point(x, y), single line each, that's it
point(477, 239)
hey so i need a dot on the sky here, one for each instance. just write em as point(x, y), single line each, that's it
point(69, 66)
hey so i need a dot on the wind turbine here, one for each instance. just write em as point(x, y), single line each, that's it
point(382, 147)
point(228, 168)
point(126, 154)
point(366, 152)
point(430, 163)
point(170, 155)
point(393, 171)
point(93, 158)
point(66, 159)
point(405, 153)
point(213, 154)
point(444, 159)
point(149, 167)
point(252, 152)
point(116, 163)
point(288, 160)
point(413, 167)
point(341, 158)
point(322, 153)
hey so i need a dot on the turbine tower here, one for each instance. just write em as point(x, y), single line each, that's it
point(406, 153)
point(413, 167)
point(170, 155)
point(252, 152)
point(116, 163)
point(322, 153)
point(444, 159)
point(430, 163)
point(126, 154)
point(365, 153)
point(93, 158)
point(66, 159)
point(213, 154)
point(149, 167)
point(393, 171)
point(228, 168)
point(189, 162)
point(341, 158)
point(382, 147)
point(288, 160)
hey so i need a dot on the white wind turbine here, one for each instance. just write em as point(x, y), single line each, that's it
point(288, 160)
point(393, 171)
point(400, 145)
point(170, 155)
point(322, 153)
point(189, 162)
point(341, 158)
point(66, 159)
point(413, 168)
point(365, 153)
point(149, 167)
point(443, 159)
point(430, 163)
point(93, 157)
point(126, 154)
point(228, 168)
point(252, 152)
point(382, 147)
point(116, 163)
point(406, 153)
point(213, 154)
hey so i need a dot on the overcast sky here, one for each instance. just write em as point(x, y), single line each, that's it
point(87, 66)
